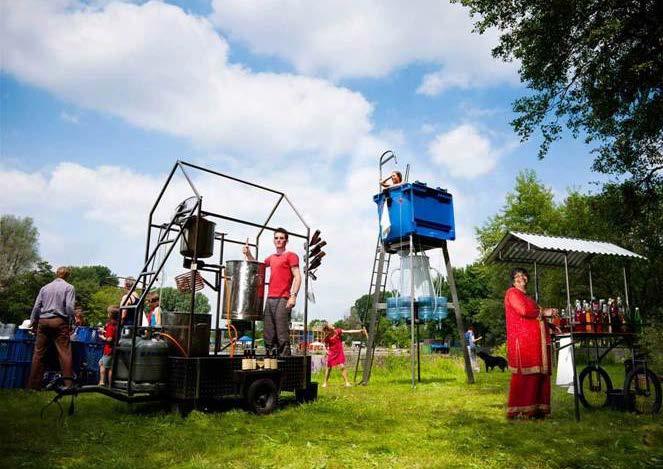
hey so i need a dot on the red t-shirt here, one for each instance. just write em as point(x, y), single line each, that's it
point(280, 279)
point(109, 332)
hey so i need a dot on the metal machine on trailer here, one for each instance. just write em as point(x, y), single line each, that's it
point(184, 371)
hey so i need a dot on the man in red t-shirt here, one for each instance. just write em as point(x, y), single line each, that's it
point(284, 282)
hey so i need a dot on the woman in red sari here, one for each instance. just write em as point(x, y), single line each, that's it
point(527, 342)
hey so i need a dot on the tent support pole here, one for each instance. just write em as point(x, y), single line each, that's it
point(576, 401)
point(591, 285)
point(536, 284)
point(628, 309)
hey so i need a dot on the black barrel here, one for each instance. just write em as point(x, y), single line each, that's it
point(198, 235)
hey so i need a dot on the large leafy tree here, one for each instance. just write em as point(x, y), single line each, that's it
point(88, 280)
point(595, 66)
point(18, 247)
point(173, 300)
point(17, 299)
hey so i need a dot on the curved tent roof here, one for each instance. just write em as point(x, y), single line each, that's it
point(516, 247)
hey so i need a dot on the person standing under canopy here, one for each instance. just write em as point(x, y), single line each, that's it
point(527, 342)
point(284, 282)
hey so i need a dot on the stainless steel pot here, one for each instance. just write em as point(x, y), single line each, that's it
point(246, 287)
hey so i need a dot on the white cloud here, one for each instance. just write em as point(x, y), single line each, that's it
point(69, 117)
point(159, 68)
point(465, 153)
point(98, 216)
point(368, 38)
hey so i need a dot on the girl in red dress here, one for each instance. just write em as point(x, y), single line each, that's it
point(527, 342)
point(335, 356)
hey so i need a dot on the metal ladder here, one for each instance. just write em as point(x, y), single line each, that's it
point(148, 276)
point(376, 292)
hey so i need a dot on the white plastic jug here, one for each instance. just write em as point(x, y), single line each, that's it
point(419, 266)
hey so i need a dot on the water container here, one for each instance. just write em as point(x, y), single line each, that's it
point(426, 304)
point(415, 208)
point(393, 314)
point(441, 310)
point(404, 307)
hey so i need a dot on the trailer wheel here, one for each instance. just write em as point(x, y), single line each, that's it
point(262, 396)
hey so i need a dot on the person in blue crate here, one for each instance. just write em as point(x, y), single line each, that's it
point(394, 179)
point(107, 335)
point(50, 319)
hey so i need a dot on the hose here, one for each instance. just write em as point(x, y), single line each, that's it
point(228, 322)
point(174, 341)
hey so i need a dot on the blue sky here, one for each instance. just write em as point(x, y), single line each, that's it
point(98, 99)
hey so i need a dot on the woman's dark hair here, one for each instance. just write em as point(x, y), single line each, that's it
point(516, 271)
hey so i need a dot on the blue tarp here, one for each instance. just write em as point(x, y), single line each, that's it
point(245, 338)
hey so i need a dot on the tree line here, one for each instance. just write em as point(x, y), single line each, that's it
point(24, 272)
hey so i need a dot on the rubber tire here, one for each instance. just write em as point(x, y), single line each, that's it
point(603, 376)
point(655, 388)
point(262, 397)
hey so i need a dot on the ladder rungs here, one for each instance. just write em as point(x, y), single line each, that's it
point(166, 241)
point(145, 274)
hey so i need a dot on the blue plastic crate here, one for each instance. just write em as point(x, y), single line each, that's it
point(20, 350)
point(93, 355)
point(4, 350)
point(14, 375)
point(23, 334)
point(414, 208)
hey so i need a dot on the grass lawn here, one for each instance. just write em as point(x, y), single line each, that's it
point(441, 423)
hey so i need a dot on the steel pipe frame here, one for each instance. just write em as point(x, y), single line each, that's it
point(181, 166)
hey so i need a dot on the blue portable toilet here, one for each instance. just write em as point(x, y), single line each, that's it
point(418, 210)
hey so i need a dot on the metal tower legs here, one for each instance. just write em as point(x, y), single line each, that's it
point(459, 317)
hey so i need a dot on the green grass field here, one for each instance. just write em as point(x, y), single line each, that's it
point(441, 423)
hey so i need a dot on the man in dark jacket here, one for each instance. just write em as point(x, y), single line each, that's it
point(50, 319)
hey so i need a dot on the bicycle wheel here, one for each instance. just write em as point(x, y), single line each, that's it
point(595, 384)
point(644, 386)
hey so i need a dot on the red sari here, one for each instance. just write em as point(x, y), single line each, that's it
point(527, 342)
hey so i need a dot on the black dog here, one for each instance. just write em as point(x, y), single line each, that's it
point(491, 361)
